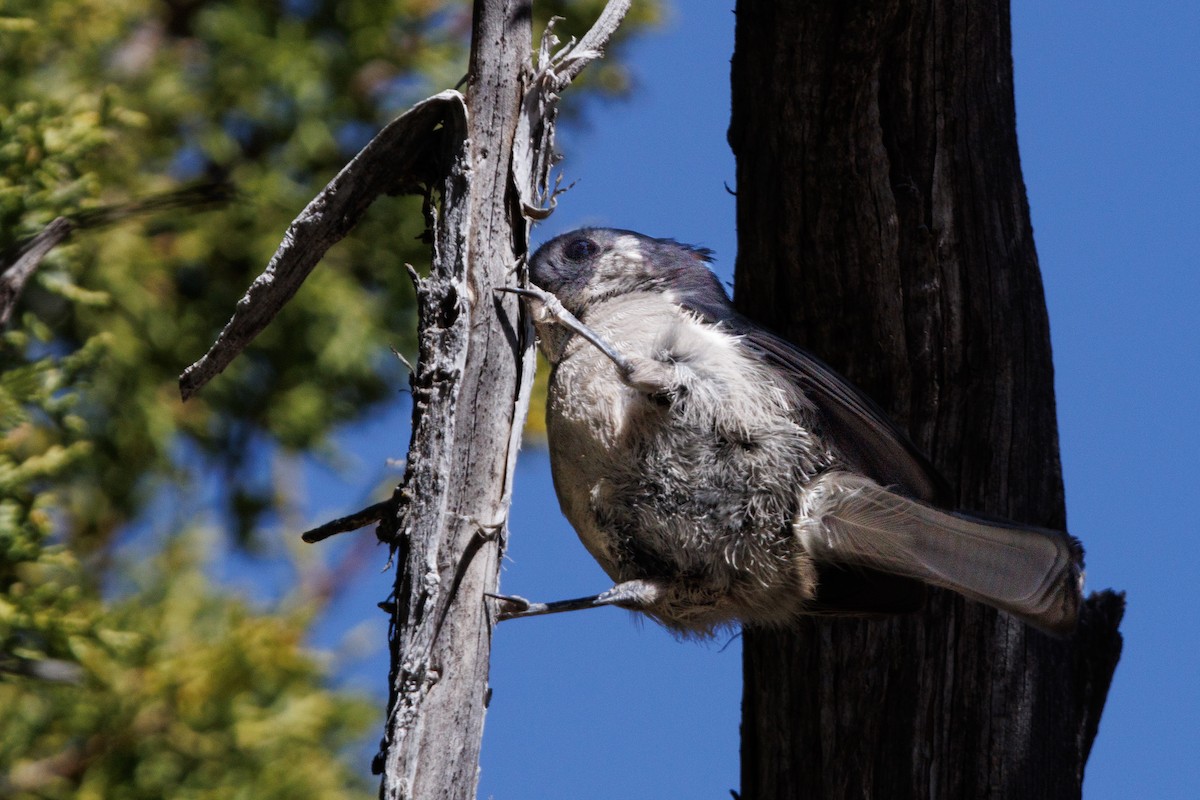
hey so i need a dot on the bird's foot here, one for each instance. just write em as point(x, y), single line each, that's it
point(641, 374)
point(635, 595)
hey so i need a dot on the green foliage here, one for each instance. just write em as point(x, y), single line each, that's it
point(174, 690)
point(183, 692)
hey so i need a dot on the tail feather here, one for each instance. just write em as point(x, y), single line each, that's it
point(1032, 573)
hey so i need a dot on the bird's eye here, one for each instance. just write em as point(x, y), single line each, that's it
point(579, 249)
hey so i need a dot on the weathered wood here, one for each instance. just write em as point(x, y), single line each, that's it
point(397, 159)
point(534, 154)
point(471, 394)
point(883, 224)
point(485, 167)
point(450, 530)
point(370, 515)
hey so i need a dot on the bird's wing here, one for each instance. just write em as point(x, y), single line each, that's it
point(862, 433)
point(1032, 573)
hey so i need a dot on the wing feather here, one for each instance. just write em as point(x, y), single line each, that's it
point(864, 436)
point(1032, 573)
point(862, 433)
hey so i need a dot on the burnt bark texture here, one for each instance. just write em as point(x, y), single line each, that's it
point(883, 225)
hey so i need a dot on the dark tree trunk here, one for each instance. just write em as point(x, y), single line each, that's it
point(883, 224)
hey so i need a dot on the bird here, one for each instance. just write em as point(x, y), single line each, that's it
point(723, 476)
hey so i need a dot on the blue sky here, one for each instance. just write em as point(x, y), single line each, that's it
point(599, 705)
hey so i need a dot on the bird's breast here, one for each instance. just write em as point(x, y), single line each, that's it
point(683, 481)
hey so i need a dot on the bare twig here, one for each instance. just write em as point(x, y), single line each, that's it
point(411, 369)
point(350, 522)
point(13, 281)
point(196, 195)
point(396, 160)
point(592, 45)
point(533, 146)
point(33, 251)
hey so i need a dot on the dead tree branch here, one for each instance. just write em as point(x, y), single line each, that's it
point(446, 521)
point(397, 160)
point(13, 281)
point(351, 522)
point(32, 252)
point(451, 509)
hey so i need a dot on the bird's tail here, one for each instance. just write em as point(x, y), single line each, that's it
point(1032, 573)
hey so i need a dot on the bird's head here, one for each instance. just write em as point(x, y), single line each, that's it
point(590, 265)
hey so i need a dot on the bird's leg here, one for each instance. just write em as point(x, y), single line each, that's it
point(635, 595)
point(554, 309)
point(642, 374)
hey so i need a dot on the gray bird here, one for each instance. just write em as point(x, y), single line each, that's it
point(720, 474)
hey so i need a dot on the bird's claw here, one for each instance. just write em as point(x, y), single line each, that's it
point(634, 595)
point(510, 604)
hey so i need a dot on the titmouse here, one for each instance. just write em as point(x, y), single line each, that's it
point(722, 475)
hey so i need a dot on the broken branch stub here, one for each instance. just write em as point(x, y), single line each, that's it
point(399, 158)
point(533, 146)
point(14, 278)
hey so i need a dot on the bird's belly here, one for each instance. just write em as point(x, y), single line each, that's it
point(651, 495)
point(583, 430)
point(693, 488)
